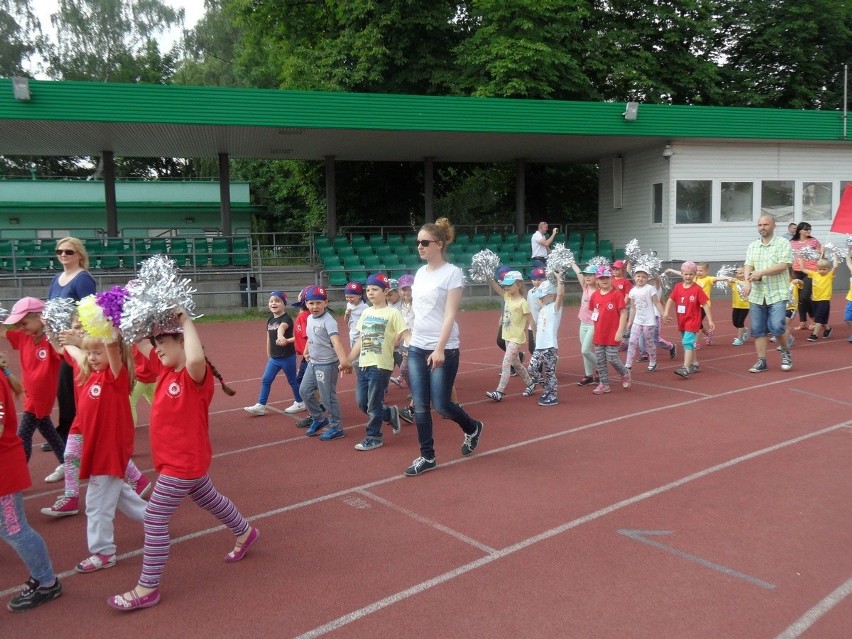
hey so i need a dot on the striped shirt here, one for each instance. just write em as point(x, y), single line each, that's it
point(770, 289)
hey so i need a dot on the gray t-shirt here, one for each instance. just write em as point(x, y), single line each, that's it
point(320, 330)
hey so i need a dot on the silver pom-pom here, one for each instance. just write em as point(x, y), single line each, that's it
point(808, 253)
point(3, 313)
point(632, 252)
point(849, 240)
point(597, 261)
point(833, 252)
point(650, 263)
point(741, 289)
point(57, 316)
point(559, 261)
point(722, 276)
point(482, 265)
point(665, 283)
point(154, 297)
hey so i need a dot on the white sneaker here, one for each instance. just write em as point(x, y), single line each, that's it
point(257, 409)
point(56, 475)
point(297, 407)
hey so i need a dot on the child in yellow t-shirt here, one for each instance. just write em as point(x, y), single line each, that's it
point(516, 317)
point(823, 283)
point(739, 307)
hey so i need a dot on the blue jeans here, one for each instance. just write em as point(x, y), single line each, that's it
point(322, 378)
point(768, 318)
point(273, 366)
point(370, 387)
point(17, 532)
point(434, 387)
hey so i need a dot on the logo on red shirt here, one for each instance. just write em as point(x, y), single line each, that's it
point(174, 390)
point(41, 353)
point(610, 306)
point(95, 391)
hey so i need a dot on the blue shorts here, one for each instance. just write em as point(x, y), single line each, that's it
point(768, 318)
point(848, 315)
point(688, 340)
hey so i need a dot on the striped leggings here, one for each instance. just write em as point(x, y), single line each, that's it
point(608, 354)
point(73, 453)
point(167, 495)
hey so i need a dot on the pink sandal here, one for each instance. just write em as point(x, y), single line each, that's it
point(239, 553)
point(135, 602)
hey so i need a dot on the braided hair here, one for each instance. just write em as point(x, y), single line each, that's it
point(225, 388)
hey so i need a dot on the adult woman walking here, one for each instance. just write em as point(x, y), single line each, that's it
point(802, 240)
point(433, 353)
point(74, 282)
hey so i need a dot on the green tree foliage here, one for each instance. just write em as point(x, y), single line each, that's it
point(19, 33)
point(209, 50)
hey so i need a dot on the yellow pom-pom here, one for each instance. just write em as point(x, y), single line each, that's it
point(93, 320)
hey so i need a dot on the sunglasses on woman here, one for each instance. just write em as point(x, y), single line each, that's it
point(65, 251)
point(425, 243)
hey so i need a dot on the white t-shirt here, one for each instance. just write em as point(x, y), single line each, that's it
point(534, 302)
point(641, 298)
point(429, 297)
point(547, 327)
point(538, 250)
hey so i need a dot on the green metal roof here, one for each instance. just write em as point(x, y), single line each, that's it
point(84, 118)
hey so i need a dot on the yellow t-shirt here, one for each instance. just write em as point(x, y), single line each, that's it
point(737, 300)
point(821, 291)
point(379, 328)
point(793, 303)
point(707, 284)
point(514, 319)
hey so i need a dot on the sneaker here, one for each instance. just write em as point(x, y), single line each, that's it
point(529, 390)
point(420, 466)
point(586, 381)
point(548, 401)
point(64, 507)
point(96, 562)
point(773, 339)
point(759, 366)
point(34, 594)
point(472, 441)
point(142, 486)
point(398, 381)
point(56, 475)
point(694, 368)
point(652, 367)
point(745, 335)
point(625, 380)
point(786, 360)
point(316, 426)
point(393, 419)
point(708, 339)
point(407, 414)
point(683, 371)
point(368, 443)
point(600, 389)
point(673, 351)
point(738, 342)
point(304, 423)
point(827, 333)
point(332, 433)
point(257, 409)
point(495, 395)
point(813, 338)
point(296, 407)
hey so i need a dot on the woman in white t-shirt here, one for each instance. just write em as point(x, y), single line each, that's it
point(433, 353)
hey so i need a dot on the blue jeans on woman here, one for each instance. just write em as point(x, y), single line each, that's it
point(17, 532)
point(434, 387)
point(273, 366)
point(370, 388)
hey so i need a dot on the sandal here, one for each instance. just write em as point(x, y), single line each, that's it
point(135, 602)
point(495, 395)
point(96, 562)
point(529, 390)
point(242, 548)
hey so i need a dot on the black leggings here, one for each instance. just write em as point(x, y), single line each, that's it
point(65, 397)
point(805, 306)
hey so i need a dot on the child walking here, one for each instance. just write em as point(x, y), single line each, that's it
point(689, 299)
point(40, 370)
point(180, 447)
point(355, 305)
point(324, 353)
point(146, 382)
point(406, 309)
point(106, 424)
point(642, 320)
point(281, 355)
point(739, 308)
point(379, 330)
point(587, 325)
point(300, 335)
point(823, 284)
point(516, 318)
point(543, 361)
point(609, 313)
point(43, 584)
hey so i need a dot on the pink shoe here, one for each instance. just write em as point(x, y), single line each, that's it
point(135, 602)
point(239, 553)
point(600, 389)
point(64, 507)
point(625, 380)
point(96, 562)
point(143, 486)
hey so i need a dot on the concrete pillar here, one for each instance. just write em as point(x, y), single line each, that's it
point(520, 196)
point(330, 197)
point(429, 189)
point(109, 194)
point(225, 195)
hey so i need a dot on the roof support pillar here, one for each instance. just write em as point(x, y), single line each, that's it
point(429, 189)
point(520, 196)
point(225, 195)
point(108, 161)
point(330, 196)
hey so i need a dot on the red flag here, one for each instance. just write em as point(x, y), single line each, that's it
point(843, 218)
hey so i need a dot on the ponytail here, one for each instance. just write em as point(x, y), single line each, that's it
point(225, 388)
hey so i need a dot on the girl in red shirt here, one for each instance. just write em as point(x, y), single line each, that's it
point(104, 420)
point(43, 585)
point(689, 299)
point(180, 446)
point(609, 313)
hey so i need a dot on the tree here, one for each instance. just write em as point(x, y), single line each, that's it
point(209, 49)
point(19, 31)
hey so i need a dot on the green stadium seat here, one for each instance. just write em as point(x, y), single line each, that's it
point(321, 241)
point(110, 256)
point(340, 240)
point(358, 275)
point(364, 251)
point(137, 251)
point(619, 253)
point(590, 240)
point(605, 248)
point(373, 262)
point(337, 278)
point(6, 248)
point(358, 240)
point(494, 239)
point(157, 245)
point(376, 240)
point(201, 251)
point(345, 251)
point(41, 257)
point(220, 252)
point(351, 261)
point(326, 251)
point(478, 241)
point(395, 239)
point(240, 251)
point(331, 262)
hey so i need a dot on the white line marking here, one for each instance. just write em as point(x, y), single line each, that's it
point(821, 397)
point(814, 614)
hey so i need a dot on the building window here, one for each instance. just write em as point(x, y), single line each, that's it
point(816, 201)
point(737, 200)
point(776, 199)
point(657, 203)
point(693, 201)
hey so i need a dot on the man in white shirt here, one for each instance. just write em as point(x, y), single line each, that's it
point(540, 244)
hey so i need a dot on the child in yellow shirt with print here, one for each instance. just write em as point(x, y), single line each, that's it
point(823, 284)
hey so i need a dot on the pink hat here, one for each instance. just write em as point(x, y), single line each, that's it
point(618, 264)
point(22, 307)
point(406, 281)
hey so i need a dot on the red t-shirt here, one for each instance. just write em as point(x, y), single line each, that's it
point(300, 331)
point(105, 421)
point(623, 285)
point(14, 474)
point(179, 430)
point(40, 372)
point(142, 368)
point(688, 303)
point(606, 312)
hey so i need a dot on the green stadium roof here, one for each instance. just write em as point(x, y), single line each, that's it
point(86, 118)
